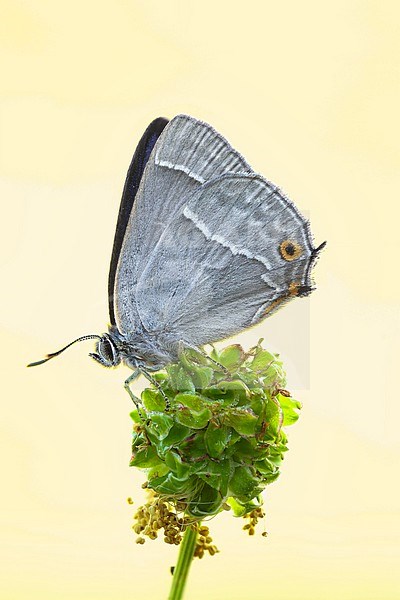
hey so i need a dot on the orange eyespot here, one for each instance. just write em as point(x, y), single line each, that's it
point(290, 250)
point(293, 289)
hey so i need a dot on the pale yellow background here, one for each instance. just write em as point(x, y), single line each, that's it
point(309, 93)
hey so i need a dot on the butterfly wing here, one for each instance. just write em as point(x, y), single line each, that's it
point(237, 250)
point(134, 175)
point(187, 154)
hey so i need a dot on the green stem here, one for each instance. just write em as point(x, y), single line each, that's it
point(185, 556)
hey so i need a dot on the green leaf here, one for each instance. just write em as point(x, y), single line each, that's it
point(289, 407)
point(193, 448)
point(159, 424)
point(134, 415)
point(228, 393)
point(262, 360)
point(245, 450)
point(175, 463)
point(208, 502)
point(170, 484)
point(267, 479)
point(257, 403)
point(193, 419)
point(275, 454)
point(232, 356)
point(242, 508)
point(180, 380)
point(223, 396)
point(192, 401)
point(145, 458)
point(160, 376)
point(152, 400)
point(216, 439)
point(214, 354)
point(274, 376)
point(271, 421)
point(239, 388)
point(138, 439)
point(175, 436)
point(244, 485)
point(191, 357)
point(243, 420)
point(217, 474)
point(193, 411)
point(158, 471)
point(266, 467)
point(202, 377)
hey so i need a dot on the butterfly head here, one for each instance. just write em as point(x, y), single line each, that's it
point(107, 352)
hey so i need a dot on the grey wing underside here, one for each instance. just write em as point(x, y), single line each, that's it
point(216, 268)
point(187, 154)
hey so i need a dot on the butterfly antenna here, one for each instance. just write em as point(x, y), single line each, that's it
point(53, 354)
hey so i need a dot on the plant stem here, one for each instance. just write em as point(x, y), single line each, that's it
point(185, 557)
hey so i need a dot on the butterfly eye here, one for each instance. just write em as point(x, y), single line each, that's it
point(290, 250)
point(108, 353)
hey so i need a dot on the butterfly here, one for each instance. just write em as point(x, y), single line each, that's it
point(204, 248)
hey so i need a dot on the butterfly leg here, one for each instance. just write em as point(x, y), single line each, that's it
point(157, 385)
point(137, 402)
point(184, 345)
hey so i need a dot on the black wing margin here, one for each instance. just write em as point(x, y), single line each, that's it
point(133, 177)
